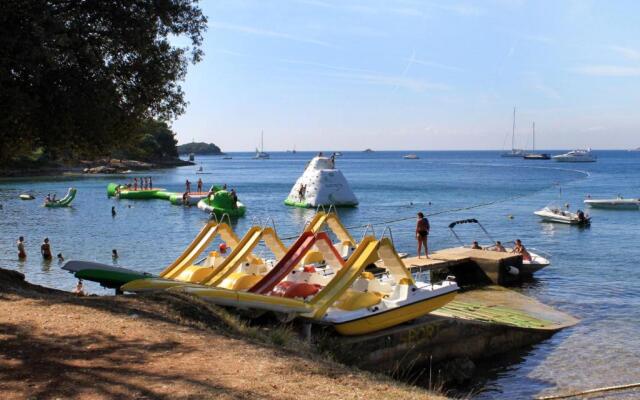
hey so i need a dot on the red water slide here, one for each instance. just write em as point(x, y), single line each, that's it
point(293, 257)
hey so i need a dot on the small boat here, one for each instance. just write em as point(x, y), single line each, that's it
point(26, 196)
point(538, 259)
point(338, 154)
point(576, 156)
point(260, 154)
point(514, 152)
point(411, 157)
point(556, 214)
point(618, 203)
point(192, 156)
point(63, 202)
point(533, 155)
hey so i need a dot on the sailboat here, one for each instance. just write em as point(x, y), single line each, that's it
point(260, 154)
point(533, 155)
point(514, 152)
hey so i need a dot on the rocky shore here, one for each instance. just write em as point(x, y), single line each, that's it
point(54, 344)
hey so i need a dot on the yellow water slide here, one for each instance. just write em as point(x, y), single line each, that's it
point(194, 274)
point(333, 222)
point(198, 245)
point(365, 254)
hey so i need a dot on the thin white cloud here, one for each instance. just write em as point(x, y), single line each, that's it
point(415, 85)
point(250, 30)
point(607, 70)
point(363, 8)
point(627, 52)
point(433, 64)
point(538, 38)
point(546, 90)
point(324, 66)
point(464, 9)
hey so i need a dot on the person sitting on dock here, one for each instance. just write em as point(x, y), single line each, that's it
point(520, 249)
point(475, 245)
point(499, 247)
point(45, 249)
point(185, 198)
point(199, 185)
point(22, 254)
point(187, 185)
point(48, 198)
point(422, 233)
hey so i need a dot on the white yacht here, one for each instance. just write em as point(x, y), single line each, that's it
point(618, 203)
point(576, 156)
point(411, 157)
point(260, 154)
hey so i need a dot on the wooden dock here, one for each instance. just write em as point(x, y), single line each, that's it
point(468, 265)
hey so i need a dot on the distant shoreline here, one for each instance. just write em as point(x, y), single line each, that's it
point(53, 170)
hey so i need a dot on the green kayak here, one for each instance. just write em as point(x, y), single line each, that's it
point(221, 203)
point(63, 202)
point(106, 275)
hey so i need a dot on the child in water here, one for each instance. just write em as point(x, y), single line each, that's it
point(22, 254)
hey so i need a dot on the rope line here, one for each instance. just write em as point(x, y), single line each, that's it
point(590, 391)
point(458, 209)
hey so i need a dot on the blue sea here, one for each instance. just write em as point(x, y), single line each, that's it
point(594, 273)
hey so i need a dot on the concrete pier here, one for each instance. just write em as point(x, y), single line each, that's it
point(478, 324)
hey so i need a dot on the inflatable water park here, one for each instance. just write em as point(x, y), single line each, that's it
point(328, 279)
point(321, 184)
point(217, 201)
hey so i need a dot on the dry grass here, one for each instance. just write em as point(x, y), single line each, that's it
point(54, 345)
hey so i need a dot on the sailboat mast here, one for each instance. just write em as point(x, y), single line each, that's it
point(513, 132)
point(534, 137)
point(262, 141)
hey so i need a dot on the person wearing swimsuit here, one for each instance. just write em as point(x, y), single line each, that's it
point(45, 250)
point(422, 233)
point(22, 254)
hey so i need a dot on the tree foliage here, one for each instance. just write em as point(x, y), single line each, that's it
point(199, 148)
point(80, 77)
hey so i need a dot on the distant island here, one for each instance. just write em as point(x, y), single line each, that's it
point(199, 148)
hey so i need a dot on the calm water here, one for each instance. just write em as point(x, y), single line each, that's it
point(594, 275)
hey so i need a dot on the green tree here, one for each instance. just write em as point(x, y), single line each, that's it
point(79, 78)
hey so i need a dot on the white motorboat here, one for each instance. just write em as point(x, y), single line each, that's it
point(559, 215)
point(411, 157)
point(260, 154)
point(537, 261)
point(618, 203)
point(576, 156)
point(514, 152)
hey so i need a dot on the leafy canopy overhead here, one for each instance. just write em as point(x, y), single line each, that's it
point(79, 77)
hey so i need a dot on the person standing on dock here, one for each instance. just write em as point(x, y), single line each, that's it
point(45, 249)
point(135, 183)
point(187, 184)
point(422, 234)
point(22, 254)
point(199, 185)
point(150, 183)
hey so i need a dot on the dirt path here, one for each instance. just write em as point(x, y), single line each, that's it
point(54, 345)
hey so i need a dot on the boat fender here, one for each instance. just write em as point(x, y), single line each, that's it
point(513, 270)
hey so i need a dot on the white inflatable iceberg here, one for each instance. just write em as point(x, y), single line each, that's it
point(321, 184)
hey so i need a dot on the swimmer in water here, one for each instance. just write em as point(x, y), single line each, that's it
point(45, 249)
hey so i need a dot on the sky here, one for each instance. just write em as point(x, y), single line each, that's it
point(415, 75)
